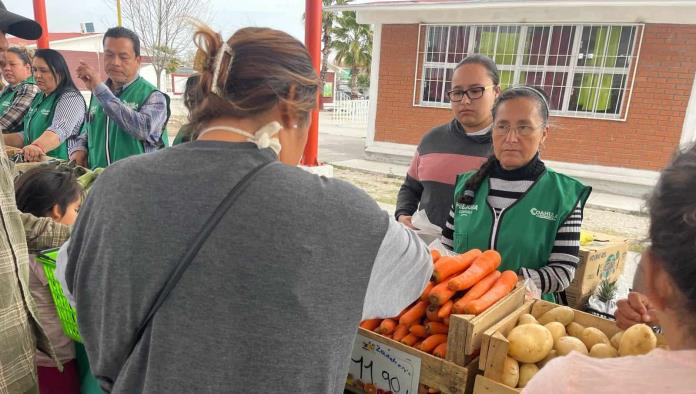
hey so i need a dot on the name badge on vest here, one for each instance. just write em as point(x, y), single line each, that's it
point(466, 209)
point(545, 215)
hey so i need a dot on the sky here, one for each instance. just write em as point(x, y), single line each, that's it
point(226, 15)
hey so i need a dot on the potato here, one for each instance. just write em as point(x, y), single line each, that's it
point(511, 372)
point(616, 339)
point(592, 336)
point(636, 340)
point(526, 319)
point(527, 372)
point(557, 330)
point(602, 350)
point(539, 308)
point(552, 354)
point(565, 345)
point(529, 343)
point(561, 314)
point(575, 329)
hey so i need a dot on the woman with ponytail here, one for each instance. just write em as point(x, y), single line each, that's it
point(178, 292)
point(517, 206)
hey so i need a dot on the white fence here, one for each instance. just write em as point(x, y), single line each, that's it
point(353, 111)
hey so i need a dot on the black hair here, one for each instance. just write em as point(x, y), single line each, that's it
point(672, 208)
point(38, 190)
point(23, 54)
point(59, 68)
point(122, 32)
point(474, 182)
point(484, 61)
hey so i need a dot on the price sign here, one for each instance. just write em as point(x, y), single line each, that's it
point(386, 369)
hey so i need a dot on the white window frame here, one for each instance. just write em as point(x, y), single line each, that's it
point(571, 70)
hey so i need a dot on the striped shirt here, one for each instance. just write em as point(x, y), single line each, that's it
point(444, 152)
point(68, 116)
point(144, 124)
point(506, 187)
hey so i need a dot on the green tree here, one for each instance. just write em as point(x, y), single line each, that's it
point(327, 31)
point(352, 43)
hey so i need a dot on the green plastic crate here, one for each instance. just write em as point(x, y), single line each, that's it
point(66, 313)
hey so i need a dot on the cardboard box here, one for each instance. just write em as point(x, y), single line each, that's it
point(604, 258)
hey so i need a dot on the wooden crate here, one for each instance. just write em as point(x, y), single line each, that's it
point(495, 344)
point(466, 331)
point(484, 385)
point(435, 372)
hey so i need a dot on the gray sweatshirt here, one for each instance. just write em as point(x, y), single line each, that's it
point(272, 301)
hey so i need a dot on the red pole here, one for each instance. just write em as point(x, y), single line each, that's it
point(40, 17)
point(313, 44)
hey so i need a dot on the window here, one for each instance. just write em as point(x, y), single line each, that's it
point(587, 70)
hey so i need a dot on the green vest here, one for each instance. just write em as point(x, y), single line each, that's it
point(8, 95)
point(106, 141)
point(37, 120)
point(523, 233)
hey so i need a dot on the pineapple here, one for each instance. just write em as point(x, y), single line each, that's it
point(606, 291)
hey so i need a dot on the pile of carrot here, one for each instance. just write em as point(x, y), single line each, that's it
point(468, 283)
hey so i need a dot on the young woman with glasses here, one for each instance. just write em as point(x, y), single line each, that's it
point(458, 146)
point(517, 206)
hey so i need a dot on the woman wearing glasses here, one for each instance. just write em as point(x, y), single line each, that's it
point(450, 149)
point(517, 206)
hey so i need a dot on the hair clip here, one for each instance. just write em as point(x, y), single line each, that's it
point(224, 49)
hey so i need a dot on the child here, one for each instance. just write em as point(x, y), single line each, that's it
point(46, 191)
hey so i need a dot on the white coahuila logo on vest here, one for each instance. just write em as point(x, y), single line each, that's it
point(546, 215)
point(466, 209)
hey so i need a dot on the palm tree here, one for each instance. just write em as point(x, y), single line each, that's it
point(353, 45)
point(327, 30)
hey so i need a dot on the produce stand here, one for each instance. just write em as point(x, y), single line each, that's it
point(456, 373)
point(495, 345)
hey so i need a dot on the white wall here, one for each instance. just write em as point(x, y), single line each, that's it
point(87, 44)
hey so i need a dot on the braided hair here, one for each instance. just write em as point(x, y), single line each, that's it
point(474, 182)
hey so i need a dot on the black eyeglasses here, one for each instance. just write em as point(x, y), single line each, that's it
point(457, 95)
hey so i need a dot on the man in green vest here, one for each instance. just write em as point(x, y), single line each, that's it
point(127, 115)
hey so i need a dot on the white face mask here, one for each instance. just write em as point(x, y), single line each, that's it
point(263, 137)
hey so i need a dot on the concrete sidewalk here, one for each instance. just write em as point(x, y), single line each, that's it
point(597, 200)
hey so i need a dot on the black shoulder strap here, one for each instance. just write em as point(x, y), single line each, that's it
point(193, 249)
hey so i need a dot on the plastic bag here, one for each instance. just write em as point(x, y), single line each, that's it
point(427, 231)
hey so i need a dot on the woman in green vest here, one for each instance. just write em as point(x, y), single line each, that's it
point(16, 98)
point(515, 204)
point(56, 114)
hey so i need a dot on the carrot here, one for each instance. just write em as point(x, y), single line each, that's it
point(417, 344)
point(486, 263)
point(441, 293)
point(431, 313)
point(446, 320)
point(386, 327)
point(502, 287)
point(371, 324)
point(426, 291)
point(436, 255)
point(445, 310)
point(400, 332)
point(409, 340)
point(414, 313)
point(432, 341)
point(440, 350)
point(452, 265)
point(477, 291)
point(432, 328)
point(417, 330)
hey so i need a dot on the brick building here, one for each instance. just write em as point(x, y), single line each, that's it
point(620, 74)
